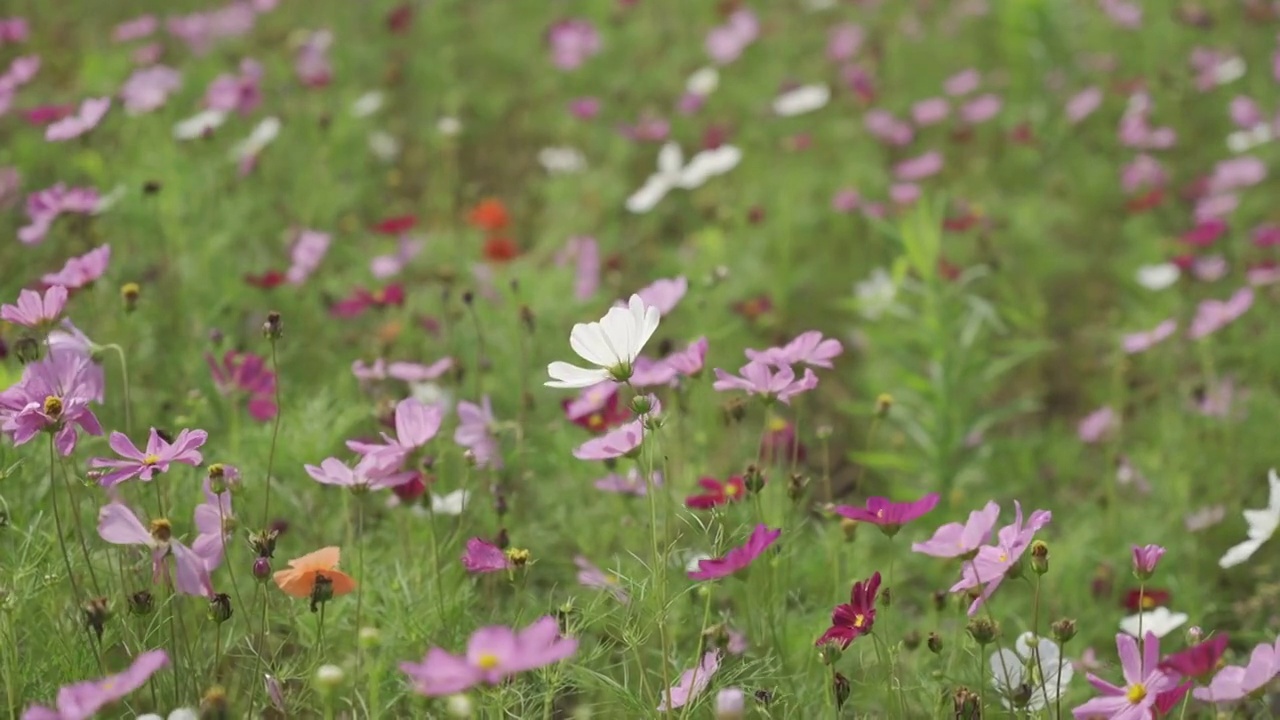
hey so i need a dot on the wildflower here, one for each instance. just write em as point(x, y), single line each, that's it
point(632, 483)
point(316, 576)
point(44, 207)
point(888, 129)
point(802, 100)
point(612, 345)
point(484, 557)
point(35, 312)
point(1234, 683)
point(308, 249)
point(1096, 424)
point(81, 271)
point(672, 173)
point(1033, 677)
point(993, 563)
point(247, 374)
point(416, 425)
point(1198, 661)
point(135, 29)
point(692, 683)
point(726, 43)
point(149, 89)
point(240, 93)
point(689, 361)
point(718, 493)
point(758, 378)
point(1083, 104)
point(159, 453)
point(918, 168)
point(730, 704)
point(573, 42)
point(83, 700)
point(493, 654)
point(489, 215)
point(876, 295)
point(662, 294)
point(1142, 341)
point(593, 577)
point(1213, 315)
point(930, 111)
point(1141, 600)
point(647, 372)
point(370, 473)
point(1263, 523)
point(54, 395)
point(474, 432)
point(738, 558)
point(962, 83)
point(90, 114)
point(1143, 682)
point(1158, 277)
point(362, 299)
point(1159, 622)
point(855, 618)
point(596, 408)
point(311, 63)
point(403, 371)
point(1145, 559)
point(808, 348)
point(889, 515)
point(960, 539)
point(118, 525)
point(1205, 518)
point(981, 109)
point(199, 125)
point(246, 152)
point(619, 442)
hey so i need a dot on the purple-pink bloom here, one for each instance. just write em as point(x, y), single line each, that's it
point(846, 200)
point(85, 119)
point(308, 250)
point(82, 270)
point(930, 111)
point(759, 378)
point(593, 577)
point(843, 42)
point(572, 43)
point(1236, 173)
point(1245, 113)
point(372, 472)
point(993, 562)
point(584, 108)
point(475, 433)
point(585, 253)
point(618, 442)
point(726, 42)
point(135, 28)
point(904, 193)
point(662, 294)
point(1124, 14)
point(155, 459)
point(962, 83)
point(961, 539)
point(241, 93)
point(1083, 104)
point(1096, 424)
point(1143, 682)
point(689, 361)
point(981, 109)
point(692, 683)
point(889, 515)
point(149, 88)
point(416, 424)
point(648, 128)
point(13, 30)
point(493, 654)
point(44, 206)
point(738, 558)
point(409, 372)
point(1146, 339)
point(888, 129)
point(1213, 315)
point(482, 556)
point(34, 311)
point(54, 395)
point(247, 374)
point(215, 524)
point(1142, 173)
point(647, 372)
point(83, 700)
point(632, 483)
point(919, 167)
point(311, 63)
point(1145, 559)
point(1233, 682)
point(119, 526)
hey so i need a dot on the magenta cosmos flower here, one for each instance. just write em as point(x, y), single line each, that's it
point(247, 374)
point(1197, 661)
point(475, 433)
point(371, 473)
point(119, 526)
point(889, 515)
point(416, 425)
point(155, 459)
point(34, 311)
point(809, 348)
point(961, 539)
point(1144, 681)
point(81, 271)
point(738, 558)
point(87, 118)
point(572, 43)
point(593, 577)
point(757, 378)
point(44, 207)
point(1145, 559)
point(689, 361)
point(493, 654)
point(83, 700)
point(1234, 683)
point(692, 683)
point(857, 617)
point(241, 93)
point(482, 556)
point(992, 563)
point(53, 395)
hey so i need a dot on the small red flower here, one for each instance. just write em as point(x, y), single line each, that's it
point(500, 249)
point(46, 114)
point(780, 443)
point(1146, 201)
point(960, 223)
point(1150, 599)
point(753, 308)
point(489, 215)
point(362, 299)
point(266, 280)
point(410, 491)
point(718, 493)
point(400, 18)
point(848, 621)
point(397, 225)
point(948, 270)
point(609, 416)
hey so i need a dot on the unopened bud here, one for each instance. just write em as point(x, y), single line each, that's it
point(911, 640)
point(329, 677)
point(96, 614)
point(518, 557)
point(884, 403)
point(1063, 630)
point(27, 349)
point(129, 293)
point(459, 706)
point(753, 479)
point(966, 704)
point(321, 592)
point(261, 569)
point(796, 485)
point(370, 637)
point(849, 527)
point(840, 684)
point(220, 608)
point(983, 630)
point(830, 653)
point(142, 603)
point(526, 318)
point(1039, 557)
point(502, 540)
point(1194, 635)
point(734, 411)
point(934, 643)
point(273, 328)
point(940, 600)
point(641, 404)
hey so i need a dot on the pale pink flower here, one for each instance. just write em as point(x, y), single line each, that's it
point(1213, 315)
point(1145, 340)
point(981, 109)
point(1096, 424)
point(81, 271)
point(135, 29)
point(1083, 104)
point(85, 119)
point(919, 167)
point(962, 83)
point(930, 111)
point(692, 683)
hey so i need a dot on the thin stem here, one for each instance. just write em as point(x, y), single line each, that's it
point(79, 525)
point(360, 573)
point(275, 435)
point(659, 561)
point(435, 566)
point(702, 634)
point(124, 377)
point(66, 557)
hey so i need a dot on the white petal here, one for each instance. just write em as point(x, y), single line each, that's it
point(700, 169)
point(586, 339)
point(1239, 553)
point(802, 100)
point(703, 81)
point(1160, 621)
point(1158, 277)
point(670, 159)
point(1274, 481)
point(565, 375)
point(197, 125)
point(452, 504)
point(367, 104)
point(648, 196)
point(617, 329)
point(1006, 670)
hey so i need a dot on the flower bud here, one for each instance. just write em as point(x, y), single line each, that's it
point(934, 643)
point(840, 684)
point(1194, 635)
point(273, 328)
point(459, 706)
point(96, 614)
point(734, 411)
point(261, 569)
point(321, 592)
point(796, 485)
point(1039, 557)
point(884, 403)
point(220, 608)
point(911, 640)
point(940, 598)
point(370, 637)
point(1063, 630)
point(641, 405)
point(264, 543)
point(983, 630)
point(966, 704)
point(824, 432)
point(502, 540)
point(142, 603)
point(329, 677)
point(849, 527)
point(27, 349)
point(830, 653)
point(518, 557)
point(730, 704)
point(129, 293)
point(753, 479)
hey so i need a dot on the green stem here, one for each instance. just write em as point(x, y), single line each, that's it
point(359, 573)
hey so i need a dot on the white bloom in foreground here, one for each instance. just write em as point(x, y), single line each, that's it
point(708, 164)
point(262, 136)
point(562, 160)
point(876, 294)
point(197, 125)
point(674, 173)
point(448, 126)
point(611, 345)
point(1033, 677)
point(1160, 621)
point(1158, 277)
point(1263, 523)
point(804, 99)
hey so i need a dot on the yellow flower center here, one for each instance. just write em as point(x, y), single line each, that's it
point(1004, 557)
point(595, 421)
point(880, 513)
point(1148, 602)
point(612, 579)
point(777, 424)
point(52, 406)
point(379, 296)
point(161, 530)
point(487, 661)
point(150, 459)
point(859, 620)
point(1137, 692)
point(730, 490)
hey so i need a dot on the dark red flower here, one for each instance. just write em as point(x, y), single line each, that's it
point(45, 114)
point(948, 270)
point(411, 490)
point(500, 249)
point(754, 307)
point(362, 299)
point(960, 223)
point(607, 417)
point(266, 280)
point(1022, 134)
point(400, 18)
point(715, 135)
point(397, 225)
point(1151, 598)
point(1184, 261)
point(1146, 201)
point(1197, 661)
point(1205, 233)
point(718, 493)
point(1169, 699)
point(857, 617)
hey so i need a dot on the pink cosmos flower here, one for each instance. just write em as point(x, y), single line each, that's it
point(475, 433)
point(481, 556)
point(962, 83)
point(35, 312)
point(585, 252)
point(19, 73)
point(689, 361)
point(1147, 339)
point(119, 526)
point(846, 200)
point(90, 114)
point(647, 372)
point(81, 271)
point(1245, 113)
point(919, 167)
point(993, 562)
point(1213, 315)
point(1135, 130)
point(572, 43)
point(1205, 233)
point(387, 266)
point(961, 539)
point(416, 425)
point(692, 683)
point(83, 700)
point(54, 395)
point(148, 54)
point(240, 93)
point(248, 375)
point(1145, 559)
point(1083, 104)
point(618, 442)
point(370, 473)
point(402, 371)
point(1124, 14)
point(1233, 682)
point(738, 558)
point(930, 111)
point(493, 654)
point(215, 525)
point(1266, 235)
point(135, 29)
point(44, 206)
point(1096, 424)
point(981, 109)
point(593, 577)
point(13, 30)
point(662, 294)
point(308, 250)
point(632, 483)
point(1144, 681)
point(1197, 661)
point(843, 42)
point(584, 108)
point(886, 128)
point(311, 63)
point(904, 193)
point(889, 515)
point(149, 88)
point(1237, 173)
point(156, 458)
point(1144, 172)
point(725, 43)
point(758, 378)
point(1211, 207)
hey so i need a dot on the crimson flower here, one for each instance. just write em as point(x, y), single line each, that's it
point(1136, 601)
point(266, 280)
point(855, 618)
point(1197, 661)
point(397, 225)
point(718, 493)
point(738, 558)
point(362, 299)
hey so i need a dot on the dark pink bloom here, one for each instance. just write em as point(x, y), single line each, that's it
point(135, 29)
point(1197, 661)
point(36, 312)
point(44, 206)
point(119, 526)
point(240, 93)
point(246, 374)
point(855, 618)
point(308, 250)
point(1144, 682)
point(81, 271)
point(53, 395)
point(1145, 560)
point(493, 655)
point(585, 108)
point(960, 539)
point(758, 378)
point(573, 42)
point(1145, 340)
point(1267, 235)
point(717, 493)
point(83, 700)
point(149, 89)
point(992, 564)
point(888, 129)
point(311, 63)
point(1213, 315)
point(889, 515)
point(692, 683)
point(647, 129)
point(738, 558)
point(362, 299)
point(155, 459)
point(90, 114)
point(13, 30)
point(482, 556)
point(475, 433)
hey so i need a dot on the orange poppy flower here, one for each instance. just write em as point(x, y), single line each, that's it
point(490, 215)
point(300, 579)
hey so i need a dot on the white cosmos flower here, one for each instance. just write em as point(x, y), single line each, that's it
point(1033, 677)
point(1246, 140)
point(1229, 70)
point(1160, 621)
point(562, 160)
point(448, 125)
point(610, 345)
point(876, 295)
point(708, 164)
point(384, 145)
point(1263, 523)
point(199, 124)
point(673, 173)
point(262, 135)
point(367, 104)
point(804, 99)
point(703, 81)
point(1158, 277)
point(451, 504)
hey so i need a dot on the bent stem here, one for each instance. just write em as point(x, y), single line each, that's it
point(124, 377)
point(66, 557)
point(697, 660)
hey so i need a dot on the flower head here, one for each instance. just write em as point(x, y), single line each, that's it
point(738, 558)
point(621, 441)
point(482, 556)
point(718, 493)
point(1143, 682)
point(155, 459)
point(1159, 622)
point(662, 294)
point(118, 525)
point(1197, 661)
point(81, 271)
point(808, 348)
point(593, 577)
point(692, 683)
point(959, 539)
point(87, 118)
point(493, 654)
point(45, 206)
point(757, 378)
point(372, 472)
point(632, 483)
point(149, 88)
point(33, 311)
point(572, 42)
point(596, 408)
point(1030, 678)
point(1263, 523)
point(611, 345)
point(855, 618)
point(889, 515)
point(993, 563)
point(416, 425)
point(316, 576)
point(247, 374)
point(53, 395)
point(1234, 682)
point(83, 700)
point(215, 524)
point(475, 432)
point(1145, 559)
